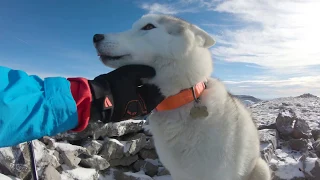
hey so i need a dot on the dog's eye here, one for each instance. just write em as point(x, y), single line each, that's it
point(148, 27)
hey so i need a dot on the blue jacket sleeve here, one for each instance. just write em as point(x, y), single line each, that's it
point(31, 107)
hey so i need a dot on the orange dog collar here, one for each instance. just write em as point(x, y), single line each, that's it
point(182, 98)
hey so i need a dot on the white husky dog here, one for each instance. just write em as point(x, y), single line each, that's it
point(219, 140)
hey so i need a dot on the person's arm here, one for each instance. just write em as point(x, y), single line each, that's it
point(31, 107)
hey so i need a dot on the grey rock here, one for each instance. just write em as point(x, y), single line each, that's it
point(147, 167)
point(310, 167)
point(299, 144)
point(50, 142)
point(285, 121)
point(267, 151)
point(288, 124)
point(301, 130)
point(124, 127)
point(312, 154)
point(93, 146)
point(70, 159)
point(315, 172)
point(112, 149)
point(148, 154)
point(316, 147)
point(285, 104)
point(315, 134)
point(50, 173)
point(96, 162)
point(66, 147)
point(57, 156)
point(162, 171)
point(269, 136)
point(14, 160)
point(149, 143)
point(134, 144)
point(125, 161)
point(44, 156)
point(268, 143)
point(94, 130)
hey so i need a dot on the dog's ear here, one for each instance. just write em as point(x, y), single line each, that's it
point(203, 38)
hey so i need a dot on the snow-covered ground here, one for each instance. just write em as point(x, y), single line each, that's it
point(125, 150)
point(266, 112)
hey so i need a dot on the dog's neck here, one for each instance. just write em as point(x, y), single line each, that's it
point(181, 74)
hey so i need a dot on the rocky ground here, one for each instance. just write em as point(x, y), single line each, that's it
point(289, 135)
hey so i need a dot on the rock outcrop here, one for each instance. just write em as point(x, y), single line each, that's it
point(289, 130)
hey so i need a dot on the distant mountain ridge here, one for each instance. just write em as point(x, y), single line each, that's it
point(247, 100)
point(307, 95)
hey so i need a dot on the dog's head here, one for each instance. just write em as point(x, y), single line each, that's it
point(161, 41)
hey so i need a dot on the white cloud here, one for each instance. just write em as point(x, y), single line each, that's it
point(176, 7)
point(305, 81)
point(280, 36)
point(159, 8)
point(281, 33)
point(267, 88)
point(270, 33)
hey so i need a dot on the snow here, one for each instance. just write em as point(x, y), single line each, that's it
point(266, 112)
point(78, 173)
point(4, 177)
point(97, 157)
point(310, 164)
point(63, 146)
point(126, 147)
point(38, 149)
point(122, 128)
point(288, 166)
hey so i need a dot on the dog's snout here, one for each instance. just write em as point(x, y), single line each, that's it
point(98, 37)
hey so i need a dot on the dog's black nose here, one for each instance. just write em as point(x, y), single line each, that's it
point(98, 37)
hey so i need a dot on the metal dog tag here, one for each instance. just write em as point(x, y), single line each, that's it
point(199, 112)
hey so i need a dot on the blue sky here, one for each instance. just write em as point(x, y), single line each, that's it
point(266, 49)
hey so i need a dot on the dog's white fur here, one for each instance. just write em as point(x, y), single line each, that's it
point(222, 146)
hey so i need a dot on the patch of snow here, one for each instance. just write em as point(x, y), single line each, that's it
point(106, 177)
point(39, 150)
point(266, 112)
point(79, 173)
point(97, 157)
point(62, 146)
point(4, 177)
point(126, 145)
point(288, 166)
point(310, 164)
point(286, 113)
point(116, 141)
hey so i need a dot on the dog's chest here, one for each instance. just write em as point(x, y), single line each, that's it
point(183, 143)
